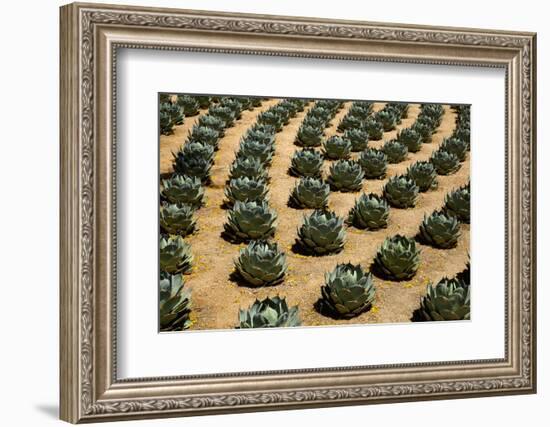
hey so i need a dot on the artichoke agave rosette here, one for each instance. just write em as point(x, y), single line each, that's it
point(448, 300)
point(370, 212)
point(310, 193)
point(261, 263)
point(348, 291)
point(440, 230)
point(175, 255)
point(269, 313)
point(322, 232)
point(398, 258)
point(346, 176)
point(174, 303)
point(250, 221)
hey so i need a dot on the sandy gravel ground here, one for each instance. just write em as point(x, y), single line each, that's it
point(217, 299)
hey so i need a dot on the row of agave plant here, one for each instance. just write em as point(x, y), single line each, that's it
point(312, 130)
point(183, 193)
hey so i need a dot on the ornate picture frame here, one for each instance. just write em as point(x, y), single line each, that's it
point(90, 37)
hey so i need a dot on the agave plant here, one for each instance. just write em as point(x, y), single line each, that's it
point(258, 150)
point(262, 134)
point(204, 135)
point(234, 104)
point(256, 102)
point(423, 174)
point(269, 313)
point(445, 163)
point(440, 230)
point(261, 263)
point(358, 137)
point(448, 300)
point(174, 303)
point(395, 151)
point(369, 212)
point(177, 219)
point(307, 163)
point(198, 149)
point(244, 189)
point(387, 119)
point(322, 113)
point(336, 148)
point(189, 105)
point(175, 255)
point(346, 176)
point(322, 232)
point(314, 121)
point(226, 114)
point(350, 122)
point(411, 139)
point(183, 189)
point(282, 112)
point(401, 192)
point(424, 130)
point(203, 101)
point(290, 106)
point(398, 258)
point(247, 166)
point(309, 136)
point(374, 128)
point(462, 132)
point(457, 203)
point(374, 163)
point(348, 291)
point(310, 193)
point(431, 122)
point(250, 220)
point(174, 111)
point(455, 146)
point(165, 123)
point(193, 166)
point(213, 122)
point(271, 118)
point(360, 109)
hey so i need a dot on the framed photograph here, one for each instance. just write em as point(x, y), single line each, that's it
point(267, 212)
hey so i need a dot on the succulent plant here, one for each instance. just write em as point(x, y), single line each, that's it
point(321, 113)
point(189, 105)
point(457, 203)
point(314, 121)
point(197, 149)
point(455, 146)
point(282, 112)
point(307, 162)
point(310, 193)
point(183, 189)
point(213, 122)
point(204, 135)
point(359, 139)
point(165, 97)
point(290, 106)
point(309, 136)
point(250, 220)
point(374, 163)
point(348, 291)
point(433, 111)
point(269, 313)
point(255, 101)
point(369, 212)
point(271, 118)
point(374, 128)
point(177, 219)
point(193, 166)
point(401, 192)
point(462, 132)
point(203, 101)
point(247, 166)
point(399, 109)
point(244, 189)
point(411, 138)
point(423, 174)
point(360, 109)
point(430, 122)
point(440, 230)
point(448, 300)
point(174, 111)
point(262, 134)
point(445, 163)
point(350, 122)
point(336, 148)
point(261, 263)
point(165, 123)
point(387, 119)
point(322, 232)
point(174, 303)
point(425, 131)
point(346, 176)
point(395, 151)
point(226, 114)
point(258, 150)
point(234, 104)
point(397, 258)
point(175, 255)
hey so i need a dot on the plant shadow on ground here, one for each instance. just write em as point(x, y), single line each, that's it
point(236, 278)
point(381, 275)
point(322, 309)
point(300, 249)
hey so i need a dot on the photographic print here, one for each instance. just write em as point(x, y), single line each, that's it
point(311, 212)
